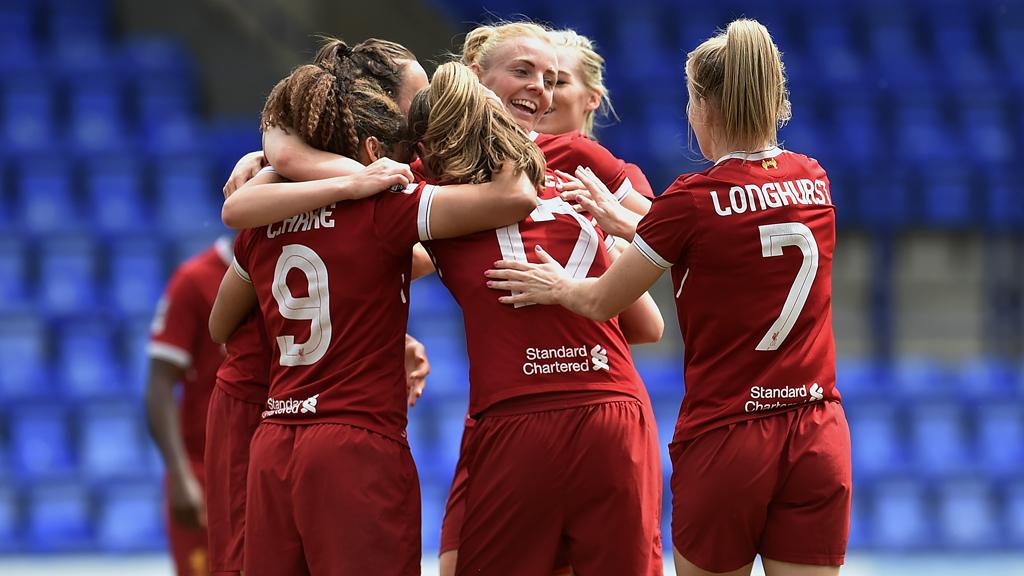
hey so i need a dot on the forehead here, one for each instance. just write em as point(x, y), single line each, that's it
point(534, 50)
point(568, 60)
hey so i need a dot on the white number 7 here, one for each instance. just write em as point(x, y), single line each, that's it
point(775, 237)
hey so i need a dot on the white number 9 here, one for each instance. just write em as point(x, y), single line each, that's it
point(315, 308)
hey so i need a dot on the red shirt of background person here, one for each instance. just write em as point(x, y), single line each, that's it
point(181, 351)
point(338, 381)
point(761, 459)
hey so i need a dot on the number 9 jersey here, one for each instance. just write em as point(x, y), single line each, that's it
point(750, 243)
point(333, 288)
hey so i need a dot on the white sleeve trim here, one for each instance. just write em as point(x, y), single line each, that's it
point(240, 271)
point(623, 190)
point(650, 253)
point(266, 169)
point(609, 242)
point(423, 214)
point(170, 353)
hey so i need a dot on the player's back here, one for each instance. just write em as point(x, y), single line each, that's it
point(519, 351)
point(333, 291)
point(752, 254)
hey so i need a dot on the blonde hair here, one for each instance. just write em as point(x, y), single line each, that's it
point(466, 135)
point(740, 72)
point(592, 67)
point(482, 40)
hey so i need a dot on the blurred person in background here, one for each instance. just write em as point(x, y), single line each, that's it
point(761, 455)
point(182, 353)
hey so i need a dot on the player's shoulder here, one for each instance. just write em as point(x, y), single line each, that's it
point(216, 258)
point(739, 166)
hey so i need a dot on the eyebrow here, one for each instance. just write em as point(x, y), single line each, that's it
point(531, 64)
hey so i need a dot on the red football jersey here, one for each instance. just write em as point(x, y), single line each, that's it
point(333, 289)
point(181, 336)
point(639, 181)
point(518, 351)
point(568, 151)
point(750, 243)
point(245, 372)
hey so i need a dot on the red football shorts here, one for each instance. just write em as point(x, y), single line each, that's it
point(455, 508)
point(331, 499)
point(778, 486)
point(585, 478)
point(230, 424)
point(188, 547)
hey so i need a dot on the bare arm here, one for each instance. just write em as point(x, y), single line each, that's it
point(467, 208)
point(636, 203)
point(641, 322)
point(184, 493)
point(422, 265)
point(596, 298)
point(235, 299)
point(269, 198)
point(296, 160)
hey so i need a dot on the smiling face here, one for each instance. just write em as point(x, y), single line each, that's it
point(522, 72)
point(573, 101)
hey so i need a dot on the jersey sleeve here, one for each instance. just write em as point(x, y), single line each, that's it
point(668, 231)
point(178, 322)
point(402, 218)
point(242, 249)
point(638, 181)
point(605, 166)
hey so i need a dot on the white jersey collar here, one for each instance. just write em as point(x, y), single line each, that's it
point(769, 153)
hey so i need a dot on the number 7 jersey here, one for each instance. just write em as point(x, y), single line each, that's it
point(750, 243)
point(333, 289)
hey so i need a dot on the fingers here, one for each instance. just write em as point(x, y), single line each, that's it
point(512, 265)
point(507, 285)
point(544, 256)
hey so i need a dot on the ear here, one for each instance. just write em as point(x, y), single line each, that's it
point(421, 150)
point(373, 149)
point(593, 100)
point(476, 69)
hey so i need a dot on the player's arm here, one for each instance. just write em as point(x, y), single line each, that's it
point(635, 203)
point(297, 160)
point(596, 298)
point(458, 210)
point(183, 490)
point(596, 200)
point(236, 298)
point(269, 198)
point(422, 264)
point(641, 322)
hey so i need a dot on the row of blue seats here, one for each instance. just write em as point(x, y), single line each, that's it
point(103, 436)
point(897, 515)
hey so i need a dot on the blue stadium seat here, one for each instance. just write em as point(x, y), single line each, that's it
point(921, 376)
point(939, 438)
point(837, 60)
point(986, 129)
point(876, 439)
point(985, 379)
point(23, 357)
point(15, 283)
point(135, 334)
point(10, 521)
point(111, 441)
point(450, 421)
point(46, 196)
point(666, 413)
point(153, 56)
point(432, 511)
point(1000, 437)
point(1013, 514)
point(858, 130)
point(96, 121)
point(1004, 206)
point(967, 512)
point(115, 189)
point(68, 273)
point(18, 51)
point(660, 373)
point(860, 520)
point(921, 133)
point(965, 66)
point(429, 300)
point(40, 441)
point(131, 518)
point(861, 378)
point(950, 198)
point(898, 57)
point(902, 519)
point(88, 365)
point(187, 198)
point(28, 115)
point(59, 518)
point(137, 275)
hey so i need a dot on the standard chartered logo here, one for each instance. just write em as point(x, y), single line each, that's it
point(765, 398)
point(565, 359)
point(290, 406)
point(599, 357)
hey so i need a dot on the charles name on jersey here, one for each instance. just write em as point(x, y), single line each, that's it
point(754, 197)
point(312, 220)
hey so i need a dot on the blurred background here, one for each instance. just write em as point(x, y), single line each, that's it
point(120, 121)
